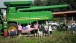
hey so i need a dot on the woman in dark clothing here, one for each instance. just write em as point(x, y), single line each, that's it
point(41, 30)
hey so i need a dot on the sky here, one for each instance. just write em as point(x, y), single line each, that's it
point(2, 4)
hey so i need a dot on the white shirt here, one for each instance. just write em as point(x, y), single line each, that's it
point(50, 28)
point(69, 26)
point(12, 29)
point(28, 26)
point(73, 24)
point(4, 12)
point(46, 27)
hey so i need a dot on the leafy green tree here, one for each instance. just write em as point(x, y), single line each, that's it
point(38, 2)
point(71, 3)
point(44, 2)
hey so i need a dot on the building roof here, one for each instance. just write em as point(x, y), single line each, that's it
point(65, 12)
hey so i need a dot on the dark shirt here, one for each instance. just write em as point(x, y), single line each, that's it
point(41, 28)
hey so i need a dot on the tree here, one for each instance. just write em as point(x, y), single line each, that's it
point(38, 2)
point(71, 3)
point(44, 2)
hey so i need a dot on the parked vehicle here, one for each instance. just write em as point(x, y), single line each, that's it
point(54, 24)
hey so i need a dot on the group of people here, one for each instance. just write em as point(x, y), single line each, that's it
point(37, 29)
point(44, 29)
point(71, 26)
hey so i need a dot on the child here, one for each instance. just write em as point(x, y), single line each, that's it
point(5, 33)
point(36, 29)
point(12, 33)
point(69, 27)
point(19, 29)
point(50, 30)
point(40, 30)
point(46, 30)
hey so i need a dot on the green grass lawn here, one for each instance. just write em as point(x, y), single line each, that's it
point(57, 37)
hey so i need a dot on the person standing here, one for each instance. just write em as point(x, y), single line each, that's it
point(19, 29)
point(50, 31)
point(40, 30)
point(73, 27)
point(46, 30)
point(36, 28)
point(46, 27)
point(68, 27)
point(5, 33)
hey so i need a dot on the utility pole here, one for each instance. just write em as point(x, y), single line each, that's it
point(64, 18)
